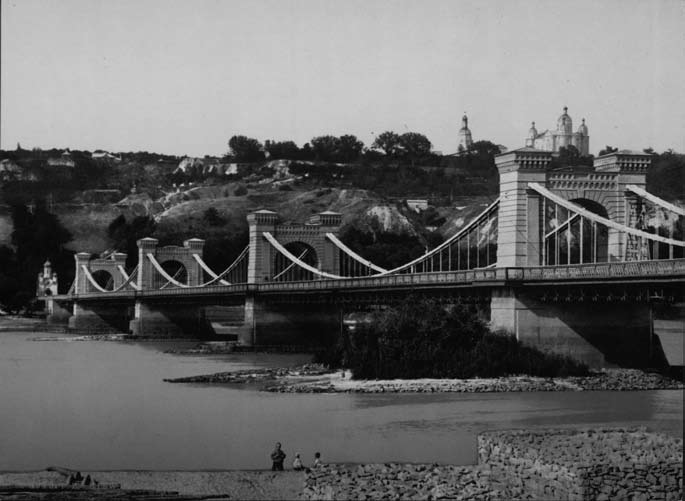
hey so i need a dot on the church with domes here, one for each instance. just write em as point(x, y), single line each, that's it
point(552, 140)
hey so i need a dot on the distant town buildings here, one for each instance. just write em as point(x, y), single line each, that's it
point(64, 160)
point(417, 205)
point(563, 136)
point(105, 155)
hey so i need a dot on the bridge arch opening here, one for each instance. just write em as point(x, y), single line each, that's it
point(104, 279)
point(286, 271)
point(572, 239)
point(174, 269)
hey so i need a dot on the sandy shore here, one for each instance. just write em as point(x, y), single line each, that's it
point(233, 484)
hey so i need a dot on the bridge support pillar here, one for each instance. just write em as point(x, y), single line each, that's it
point(600, 335)
point(169, 320)
point(99, 318)
point(310, 325)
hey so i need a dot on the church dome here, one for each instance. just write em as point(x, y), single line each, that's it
point(583, 128)
point(532, 132)
point(564, 124)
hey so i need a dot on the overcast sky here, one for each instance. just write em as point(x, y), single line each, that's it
point(181, 77)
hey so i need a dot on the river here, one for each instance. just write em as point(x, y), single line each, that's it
point(103, 405)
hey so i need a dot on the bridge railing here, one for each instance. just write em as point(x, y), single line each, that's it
point(600, 270)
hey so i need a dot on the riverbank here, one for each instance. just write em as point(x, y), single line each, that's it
point(314, 378)
point(602, 464)
point(235, 484)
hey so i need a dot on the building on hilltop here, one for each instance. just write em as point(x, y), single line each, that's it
point(47, 281)
point(64, 160)
point(563, 136)
point(465, 139)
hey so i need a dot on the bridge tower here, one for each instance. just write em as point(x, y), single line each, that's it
point(312, 235)
point(155, 318)
point(523, 223)
point(273, 323)
point(521, 220)
point(98, 317)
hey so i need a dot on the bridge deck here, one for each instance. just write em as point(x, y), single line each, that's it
point(636, 272)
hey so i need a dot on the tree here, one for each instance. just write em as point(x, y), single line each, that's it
point(37, 235)
point(387, 141)
point(414, 145)
point(124, 235)
point(245, 149)
point(485, 148)
point(212, 218)
point(282, 149)
point(349, 148)
point(325, 148)
point(608, 149)
point(666, 176)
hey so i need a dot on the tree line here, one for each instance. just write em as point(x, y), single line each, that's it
point(328, 148)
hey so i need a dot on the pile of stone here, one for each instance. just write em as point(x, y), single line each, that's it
point(402, 481)
point(626, 380)
point(614, 379)
point(584, 464)
point(600, 464)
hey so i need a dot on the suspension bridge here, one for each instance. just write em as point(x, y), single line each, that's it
point(578, 261)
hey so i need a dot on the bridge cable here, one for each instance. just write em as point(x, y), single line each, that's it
point(352, 254)
point(290, 265)
point(474, 222)
point(220, 276)
point(599, 219)
point(277, 245)
point(164, 274)
point(656, 200)
point(129, 278)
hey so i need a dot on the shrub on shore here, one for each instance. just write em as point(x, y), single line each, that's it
point(422, 338)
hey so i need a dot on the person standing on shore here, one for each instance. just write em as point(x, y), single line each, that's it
point(297, 463)
point(277, 457)
point(317, 460)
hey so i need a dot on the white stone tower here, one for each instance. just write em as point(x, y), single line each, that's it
point(465, 140)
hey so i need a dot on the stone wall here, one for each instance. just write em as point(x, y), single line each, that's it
point(401, 481)
point(585, 464)
point(545, 464)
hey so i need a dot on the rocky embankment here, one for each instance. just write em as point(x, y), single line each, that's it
point(544, 464)
point(402, 481)
point(601, 464)
point(611, 379)
point(316, 378)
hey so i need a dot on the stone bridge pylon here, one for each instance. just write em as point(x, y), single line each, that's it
point(525, 218)
point(307, 240)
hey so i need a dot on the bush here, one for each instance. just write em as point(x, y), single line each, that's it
point(422, 338)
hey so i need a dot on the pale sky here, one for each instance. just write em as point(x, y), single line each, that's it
point(181, 77)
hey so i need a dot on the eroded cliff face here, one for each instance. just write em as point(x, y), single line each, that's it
point(181, 213)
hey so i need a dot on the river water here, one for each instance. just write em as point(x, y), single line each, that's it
point(104, 405)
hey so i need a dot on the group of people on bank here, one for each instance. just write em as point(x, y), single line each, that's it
point(278, 457)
